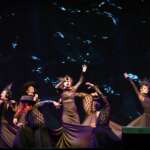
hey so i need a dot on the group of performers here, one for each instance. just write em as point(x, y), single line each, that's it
point(23, 125)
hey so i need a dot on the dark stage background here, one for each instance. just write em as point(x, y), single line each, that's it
point(41, 40)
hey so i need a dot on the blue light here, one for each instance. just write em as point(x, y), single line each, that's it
point(73, 60)
point(14, 44)
point(101, 4)
point(13, 14)
point(37, 70)
point(133, 76)
point(59, 34)
point(68, 57)
point(54, 82)
point(35, 57)
point(63, 62)
point(105, 37)
point(110, 15)
point(138, 113)
point(47, 79)
point(87, 54)
point(108, 89)
point(87, 41)
point(63, 8)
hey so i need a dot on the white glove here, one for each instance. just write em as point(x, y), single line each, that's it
point(15, 120)
point(35, 98)
point(84, 68)
point(125, 75)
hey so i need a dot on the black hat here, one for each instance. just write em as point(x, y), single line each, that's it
point(26, 99)
point(8, 89)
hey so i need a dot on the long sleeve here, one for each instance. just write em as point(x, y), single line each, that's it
point(87, 100)
point(76, 86)
point(22, 109)
point(19, 111)
point(81, 94)
point(140, 96)
point(107, 105)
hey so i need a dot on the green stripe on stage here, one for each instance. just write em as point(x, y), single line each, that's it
point(136, 130)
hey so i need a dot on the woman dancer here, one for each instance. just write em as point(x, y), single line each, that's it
point(142, 93)
point(98, 117)
point(30, 121)
point(70, 114)
point(72, 133)
point(26, 104)
point(7, 106)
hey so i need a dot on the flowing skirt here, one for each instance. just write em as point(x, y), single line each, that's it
point(141, 122)
point(34, 134)
point(75, 136)
point(108, 136)
point(116, 129)
point(7, 135)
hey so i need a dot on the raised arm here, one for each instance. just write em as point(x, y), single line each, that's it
point(97, 90)
point(80, 94)
point(140, 96)
point(84, 68)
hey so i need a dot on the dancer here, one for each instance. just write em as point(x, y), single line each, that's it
point(30, 121)
point(142, 93)
point(7, 106)
point(70, 113)
point(98, 117)
point(72, 134)
point(26, 104)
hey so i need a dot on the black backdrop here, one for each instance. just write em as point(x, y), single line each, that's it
point(37, 25)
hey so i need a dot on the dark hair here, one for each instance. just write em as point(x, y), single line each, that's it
point(59, 85)
point(145, 82)
point(28, 84)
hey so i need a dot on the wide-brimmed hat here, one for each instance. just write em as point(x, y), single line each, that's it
point(26, 99)
point(8, 89)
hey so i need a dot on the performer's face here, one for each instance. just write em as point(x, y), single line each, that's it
point(67, 83)
point(30, 90)
point(144, 89)
point(4, 94)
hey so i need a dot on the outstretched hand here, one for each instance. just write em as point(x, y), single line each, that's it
point(126, 75)
point(56, 104)
point(15, 121)
point(35, 98)
point(84, 68)
point(89, 84)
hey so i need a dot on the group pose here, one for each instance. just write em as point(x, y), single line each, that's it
point(24, 125)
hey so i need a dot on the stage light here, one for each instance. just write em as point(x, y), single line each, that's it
point(59, 34)
point(35, 58)
point(63, 8)
point(14, 44)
